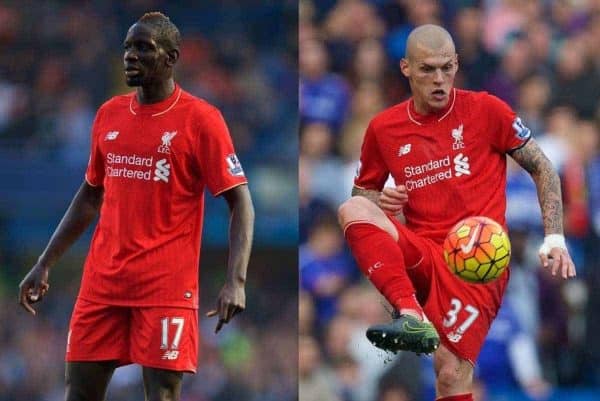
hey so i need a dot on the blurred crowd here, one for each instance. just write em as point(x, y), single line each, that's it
point(542, 58)
point(60, 60)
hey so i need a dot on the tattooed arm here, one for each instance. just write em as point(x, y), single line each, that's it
point(547, 182)
point(535, 162)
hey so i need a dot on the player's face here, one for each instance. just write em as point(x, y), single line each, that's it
point(145, 61)
point(431, 77)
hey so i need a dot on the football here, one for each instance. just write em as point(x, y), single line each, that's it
point(477, 249)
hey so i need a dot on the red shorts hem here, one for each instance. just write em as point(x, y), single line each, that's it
point(187, 369)
point(448, 344)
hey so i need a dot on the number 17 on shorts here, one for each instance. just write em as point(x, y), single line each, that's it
point(171, 348)
point(168, 338)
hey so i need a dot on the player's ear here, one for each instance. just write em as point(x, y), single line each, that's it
point(405, 67)
point(172, 57)
point(456, 61)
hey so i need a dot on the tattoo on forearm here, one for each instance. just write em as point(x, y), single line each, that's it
point(370, 194)
point(534, 161)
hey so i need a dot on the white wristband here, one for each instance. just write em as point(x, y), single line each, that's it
point(552, 241)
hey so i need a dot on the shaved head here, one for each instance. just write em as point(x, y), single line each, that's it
point(428, 38)
point(430, 65)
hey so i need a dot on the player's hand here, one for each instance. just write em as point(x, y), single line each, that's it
point(392, 200)
point(556, 258)
point(231, 301)
point(33, 287)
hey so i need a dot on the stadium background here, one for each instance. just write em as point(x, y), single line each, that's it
point(543, 58)
point(59, 61)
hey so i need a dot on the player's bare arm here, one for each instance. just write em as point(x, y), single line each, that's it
point(547, 182)
point(232, 297)
point(83, 210)
point(370, 194)
point(390, 199)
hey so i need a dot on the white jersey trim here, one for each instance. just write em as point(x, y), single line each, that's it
point(231, 187)
point(439, 119)
point(89, 183)
point(160, 112)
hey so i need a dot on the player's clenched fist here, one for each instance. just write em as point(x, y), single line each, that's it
point(393, 199)
point(33, 287)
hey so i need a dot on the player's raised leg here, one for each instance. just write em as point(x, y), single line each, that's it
point(162, 384)
point(373, 240)
point(454, 376)
point(88, 381)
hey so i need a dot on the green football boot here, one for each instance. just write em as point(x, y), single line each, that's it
point(404, 333)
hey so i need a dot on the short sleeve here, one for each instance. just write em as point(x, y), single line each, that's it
point(372, 172)
point(219, 164)
point(94, 174)
point(506, 128)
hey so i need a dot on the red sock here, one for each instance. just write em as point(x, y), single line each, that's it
point(460, 397)
point(381, 260)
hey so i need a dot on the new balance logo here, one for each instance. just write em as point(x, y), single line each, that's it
point(454, 337)
point(461, 165)
point(170, 355)
point(111, 135)
point(404, 149)
point(163, 170)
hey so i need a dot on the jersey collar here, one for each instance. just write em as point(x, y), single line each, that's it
point(420, 119)
point(155, 109)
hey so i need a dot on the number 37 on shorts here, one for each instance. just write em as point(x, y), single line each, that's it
point(458, 319)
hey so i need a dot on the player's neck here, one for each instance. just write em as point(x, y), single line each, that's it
point(155, 92)
point(423, 109)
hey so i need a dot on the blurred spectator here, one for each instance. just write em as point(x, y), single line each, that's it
point(514, 67)
point(576, 83)
point(324, 97)
point(533, 97)
point(416, 12)
point(314, 379)
point(306, 314)
point(369, 62)
point(326, 267)
point(476, 63)
point(509, 358)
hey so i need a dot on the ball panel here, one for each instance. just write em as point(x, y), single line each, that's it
point(484, 271)
point(463, 231)
point(469, 276)
point(482, 256)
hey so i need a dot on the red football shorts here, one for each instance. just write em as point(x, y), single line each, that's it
point(157, 337)
point(461, 312)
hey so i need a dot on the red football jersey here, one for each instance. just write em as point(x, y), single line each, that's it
point(453, 163)
point(154, 162)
